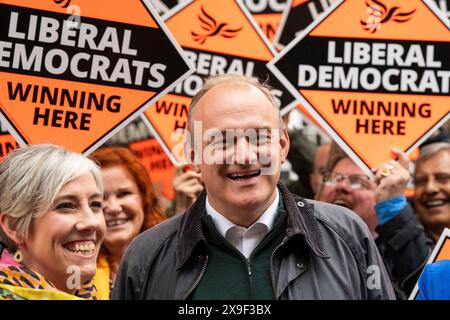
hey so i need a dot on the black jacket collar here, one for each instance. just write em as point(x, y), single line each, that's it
point(301, 222)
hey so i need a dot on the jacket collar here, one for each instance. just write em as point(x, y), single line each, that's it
point(300, 222)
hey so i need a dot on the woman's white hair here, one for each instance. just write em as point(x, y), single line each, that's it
point(30, 179)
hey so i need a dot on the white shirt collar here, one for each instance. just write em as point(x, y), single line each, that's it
point(223, 224)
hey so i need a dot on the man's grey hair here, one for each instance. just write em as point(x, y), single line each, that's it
point(430, 150)
point(214, 81)
point(30, 179)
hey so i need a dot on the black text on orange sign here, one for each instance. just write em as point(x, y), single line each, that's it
point(50, 99)
point(175, 109)
point(380, 117)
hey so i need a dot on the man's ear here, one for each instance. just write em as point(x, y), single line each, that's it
point(11, 234)
point(284, 144)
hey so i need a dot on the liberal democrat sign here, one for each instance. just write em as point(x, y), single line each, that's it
point(375, 74)
point(75, 73)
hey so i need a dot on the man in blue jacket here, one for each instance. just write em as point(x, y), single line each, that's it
point(434, 283)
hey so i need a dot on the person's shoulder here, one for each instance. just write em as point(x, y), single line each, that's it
point(338, 224)
point(439, 270)
point(337, 216)
point(434, 279)
point(141, 255)
point(146, 244)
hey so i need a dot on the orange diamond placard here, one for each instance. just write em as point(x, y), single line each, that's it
point(74, 72)
point(218, 37)
point(375, 74)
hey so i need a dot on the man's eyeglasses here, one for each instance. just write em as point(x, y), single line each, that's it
point(356, 181)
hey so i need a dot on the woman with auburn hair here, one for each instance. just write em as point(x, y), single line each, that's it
point(51, 224)
point(130, 207)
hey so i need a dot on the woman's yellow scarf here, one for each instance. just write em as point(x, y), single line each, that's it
point(19, 283)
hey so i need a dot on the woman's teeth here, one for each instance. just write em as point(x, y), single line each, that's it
point(116, 222)
point(84, 248)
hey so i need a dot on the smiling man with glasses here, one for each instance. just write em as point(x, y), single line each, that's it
point(356, 181)
point(381, 204)
point(346, 185)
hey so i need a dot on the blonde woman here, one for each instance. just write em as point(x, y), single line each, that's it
point(51, 224)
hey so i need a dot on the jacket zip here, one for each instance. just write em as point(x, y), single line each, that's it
point(197, 281)
point(272, 274)
point(249, 269)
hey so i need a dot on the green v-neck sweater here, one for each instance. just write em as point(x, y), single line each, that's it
point(229, 275)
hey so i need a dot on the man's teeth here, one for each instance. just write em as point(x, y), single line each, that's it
point(435, 203)
point(249, 174)
point(81, 247)
point(116, 222)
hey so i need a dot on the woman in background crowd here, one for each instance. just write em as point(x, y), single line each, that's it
point(51, 224)
point(130, 207)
